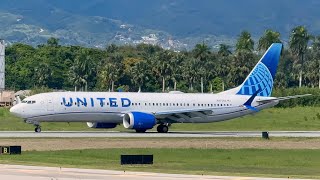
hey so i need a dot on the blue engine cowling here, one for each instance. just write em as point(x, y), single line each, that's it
point(139, 121)
point(101, 125)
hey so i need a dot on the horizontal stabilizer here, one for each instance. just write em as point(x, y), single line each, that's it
point(284, 98)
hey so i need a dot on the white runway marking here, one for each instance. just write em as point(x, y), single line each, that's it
point(113, 134)
point(17, 172)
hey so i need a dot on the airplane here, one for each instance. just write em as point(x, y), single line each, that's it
point(142, 111)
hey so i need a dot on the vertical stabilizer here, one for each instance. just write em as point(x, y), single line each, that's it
point(262, 76)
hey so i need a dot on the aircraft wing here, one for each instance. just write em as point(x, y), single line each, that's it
point(283, 98)
point(186, 114)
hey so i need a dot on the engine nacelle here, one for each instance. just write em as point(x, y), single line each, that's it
point(98, 125)
point(139, 121)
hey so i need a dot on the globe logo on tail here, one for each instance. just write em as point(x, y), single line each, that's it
point(260, 78)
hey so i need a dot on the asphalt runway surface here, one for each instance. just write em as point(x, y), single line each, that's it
point(190, 134)
point(18, 172)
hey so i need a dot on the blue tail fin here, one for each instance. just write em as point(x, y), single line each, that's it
point(262, 76)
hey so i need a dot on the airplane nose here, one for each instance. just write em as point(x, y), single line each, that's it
point(14, 110)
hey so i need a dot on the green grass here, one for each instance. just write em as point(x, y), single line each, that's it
point(246, 162)
point(291, 119)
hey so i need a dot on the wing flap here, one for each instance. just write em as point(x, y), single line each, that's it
point(186, 114)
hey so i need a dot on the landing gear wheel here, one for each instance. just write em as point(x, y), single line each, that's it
point(141, 130)
point(37, 129)
point(162, 128)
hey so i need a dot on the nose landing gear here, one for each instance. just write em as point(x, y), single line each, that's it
point(37, 129)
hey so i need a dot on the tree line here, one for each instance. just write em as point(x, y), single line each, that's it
point(151, 68)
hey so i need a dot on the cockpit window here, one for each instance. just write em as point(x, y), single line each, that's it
point(29, 102)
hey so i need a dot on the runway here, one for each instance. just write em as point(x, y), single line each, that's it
point(176, 134)
point(17, 172)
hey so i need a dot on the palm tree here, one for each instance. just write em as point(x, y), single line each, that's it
point(316, 54)
point(42, 74)
point(112, 69)
point(201, 52)
point(245, 43)
point(210, 69)
point(176, 68)
point(112, 48)
point(162, 67)
point(267, 39)
point(53, 42)
point(224, 50)
point(241, 66)
point(190, 71)
point(222, 69)
point(81, 70)
point(298, 43)
point(139, 73)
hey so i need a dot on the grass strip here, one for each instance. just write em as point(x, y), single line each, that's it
point(246, 162)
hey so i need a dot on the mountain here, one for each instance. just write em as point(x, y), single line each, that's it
point(177, 23)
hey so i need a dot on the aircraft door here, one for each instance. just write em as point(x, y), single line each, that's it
point(50, 106)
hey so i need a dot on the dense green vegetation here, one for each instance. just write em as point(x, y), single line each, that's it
point(152, 68)
point(281, 119)
point(280, 163)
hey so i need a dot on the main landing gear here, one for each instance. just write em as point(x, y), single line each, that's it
point(162, 128)
point(37, 129)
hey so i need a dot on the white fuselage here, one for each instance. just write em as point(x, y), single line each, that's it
point(109, 107)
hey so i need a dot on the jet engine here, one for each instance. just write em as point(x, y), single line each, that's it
point(139, 121)
point(99, 125)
